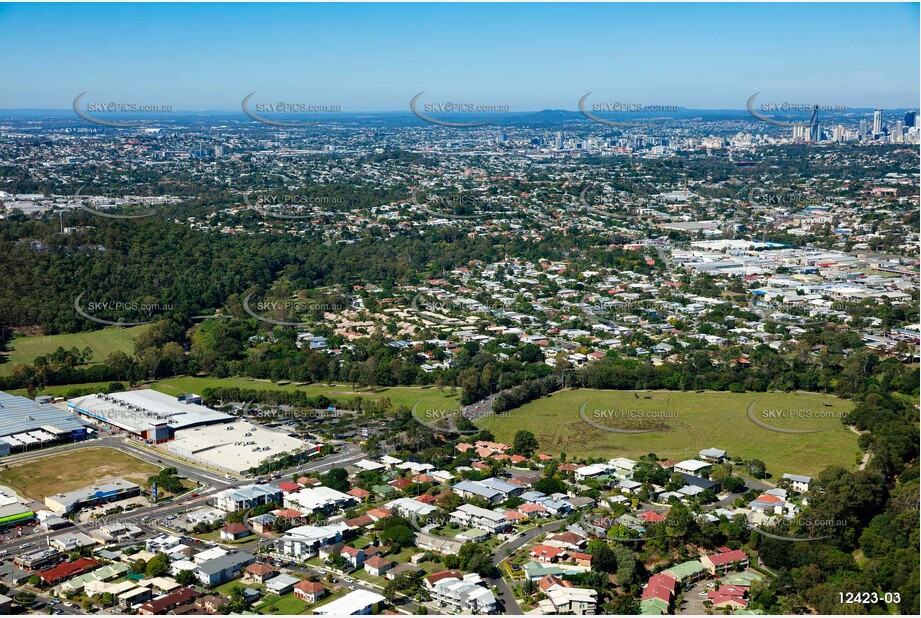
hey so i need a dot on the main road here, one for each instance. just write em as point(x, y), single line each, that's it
point(210, 482)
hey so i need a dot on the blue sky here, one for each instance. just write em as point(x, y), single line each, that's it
point(375, 57)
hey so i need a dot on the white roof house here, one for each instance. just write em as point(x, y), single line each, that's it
point(354, 603)
point(692, 466)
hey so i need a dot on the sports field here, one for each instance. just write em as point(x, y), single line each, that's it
point(398, 395)
point(103, 342)
point(680, 424)
point(72, 470)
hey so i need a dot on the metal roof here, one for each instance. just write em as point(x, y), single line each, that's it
point(20, 415)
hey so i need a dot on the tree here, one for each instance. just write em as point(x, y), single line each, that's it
point(158, 565)
point(550, 485)
point(626, 565)
point(399, 537)
point(675, 482)
point(186, 577)
point(525, 443)
point(757, 468)
point(337, 478)
point(603, 557)
point(138, 566)
point(531, 353)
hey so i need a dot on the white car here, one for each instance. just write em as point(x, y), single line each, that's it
point(351, 587)
point(703, 594)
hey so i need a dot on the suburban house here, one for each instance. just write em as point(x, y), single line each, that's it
point(377, 566)
point(319, 499)
point(659, 594)
point(355, 557)
point(168, 602)
point(247, 497)
point(548, 553)
point(476, 517)
point(693, 467)
point(281, 584)
point(305, 542)
point(232, 532)
point(224, 568)
point(690, 571)
point(476, 489)
point(262, 523)
point(309, 592)
point(468, 594)
point(723, 561)
point(798, 483)
point(712, 455)
point(259, 572)
point(440, 544)
point(570, 600)
point(508, 490)
point(355, 603)
point(732, 597)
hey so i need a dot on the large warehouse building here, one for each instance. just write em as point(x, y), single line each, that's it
point(147, 414)
point(186, 428)
point(27, 424)
point(234, 447)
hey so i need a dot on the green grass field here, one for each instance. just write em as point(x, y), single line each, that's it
point(282, 606)
point(62, 389)
point(687, 422)
point(103, 342)
point(398, 395)
point(65, 472)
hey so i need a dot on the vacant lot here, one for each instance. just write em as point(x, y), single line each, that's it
point(103, 342)
point(398, 395)
point(681, 424)
point(65, 472)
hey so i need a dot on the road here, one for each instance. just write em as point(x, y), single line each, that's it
point(662, 256)
point(505, 595)
point(481, 408)
point(210, 483)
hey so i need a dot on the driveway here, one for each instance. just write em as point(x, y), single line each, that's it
point(693, 602)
